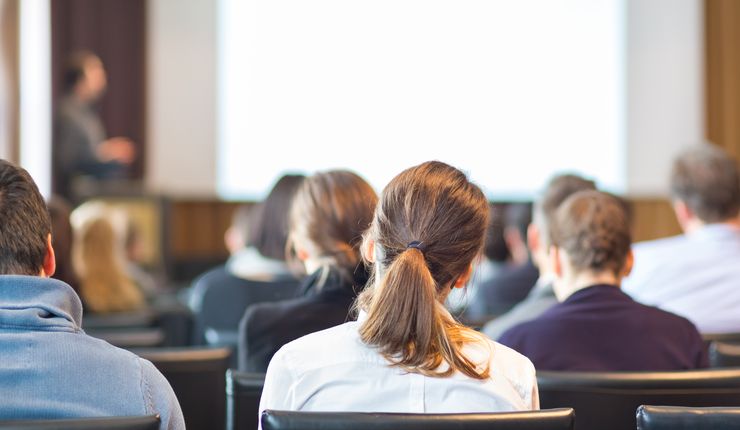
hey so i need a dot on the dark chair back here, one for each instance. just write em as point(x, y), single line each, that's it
point(608, 400)
point(724, 354)
point(197, 377)
point(680, 418)
point(243, 393)
point(132, 338)
point(557, 419)
point(219, 300)
point(119, 320)
point(150, 422)
point(722, 337)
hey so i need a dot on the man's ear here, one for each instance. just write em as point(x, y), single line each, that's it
point(628, 264)
point(50, 261)
point(683, 214)
point(555, 262)
point(533, 237)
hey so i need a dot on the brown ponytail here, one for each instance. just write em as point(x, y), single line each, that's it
point(435, 205)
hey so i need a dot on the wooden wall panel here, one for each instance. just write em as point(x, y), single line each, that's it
point(9, 80)
point(197, 228)
point(722, 73)
point(653, 219)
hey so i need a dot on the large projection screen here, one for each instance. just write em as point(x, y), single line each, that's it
point(509, 91)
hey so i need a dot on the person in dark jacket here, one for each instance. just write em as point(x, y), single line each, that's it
point(597, 327)
point(328, 216)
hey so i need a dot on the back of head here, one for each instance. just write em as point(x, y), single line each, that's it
point(329, 214)
point(428, 227)
point(706, 179)
point(268, 227)
point(593, 228)
point(556, 192)
point(25, 222)
point(75, 67)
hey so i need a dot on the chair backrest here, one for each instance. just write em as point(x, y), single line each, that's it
point(682, 418)
point(243, 393)
point(556, 419)
point(150, 422)
point(197, 377)
point(608, 400)
point(219, 300)
point(721, 337)
point(119, 320)
point(724, 354)
point(132, 338)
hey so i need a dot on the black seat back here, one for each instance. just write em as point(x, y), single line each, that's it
point(150, 422)
point(243, 393)
point(682, 418)
point(557, 419)
point(132, 338)
point(219, 300)
point(723, 354)
point(197, 377)
point(608, 400)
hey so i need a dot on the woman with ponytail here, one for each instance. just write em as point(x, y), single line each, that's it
point(406, 353)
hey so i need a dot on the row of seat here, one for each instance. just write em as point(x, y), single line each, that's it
point(603, 400)
point(647, 417)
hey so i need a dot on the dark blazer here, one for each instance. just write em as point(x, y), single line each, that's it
point(266, 327)
point(600, 328)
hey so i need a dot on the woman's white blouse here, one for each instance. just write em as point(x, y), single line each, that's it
point(333, 370)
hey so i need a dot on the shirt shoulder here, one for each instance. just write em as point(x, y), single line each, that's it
point(335, 345)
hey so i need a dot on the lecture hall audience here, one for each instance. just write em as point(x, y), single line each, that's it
point(596, 326)
point(51, 368)
point(406, 353)
point(697, 274)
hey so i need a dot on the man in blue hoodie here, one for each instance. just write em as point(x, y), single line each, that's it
point(50, 367)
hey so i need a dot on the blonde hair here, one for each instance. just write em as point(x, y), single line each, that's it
point(329, 213)
point(98, 259)
point(428, 227)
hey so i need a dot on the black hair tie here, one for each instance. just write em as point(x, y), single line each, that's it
point(417, 245)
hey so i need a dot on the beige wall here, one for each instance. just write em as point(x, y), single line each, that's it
point(182, 97)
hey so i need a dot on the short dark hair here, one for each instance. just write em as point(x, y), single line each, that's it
point(25, 222)
point(556, 192)
point(269, 220)
point(495, 248)
point(518, 216)
point(74, 68)
point(706, 178)
point(593, 228)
